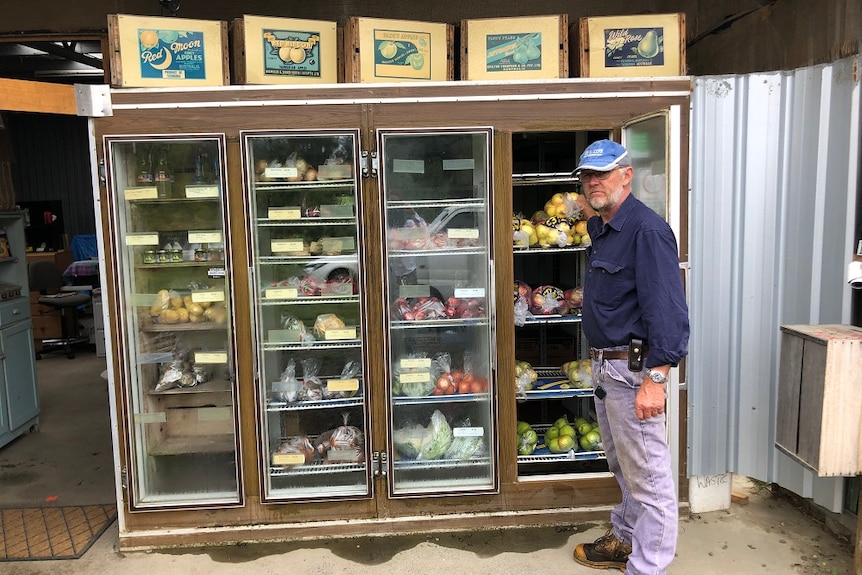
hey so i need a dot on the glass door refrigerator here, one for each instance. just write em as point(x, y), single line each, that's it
point(308, 276)
point(439, 293)
point(171, 254)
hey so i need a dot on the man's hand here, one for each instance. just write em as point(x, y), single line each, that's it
point(650, 398)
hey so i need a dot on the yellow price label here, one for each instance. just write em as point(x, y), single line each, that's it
point(142, 193)
point(345, 333)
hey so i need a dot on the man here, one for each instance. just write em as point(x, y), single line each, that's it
point(632, 291)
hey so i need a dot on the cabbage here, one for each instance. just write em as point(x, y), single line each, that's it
point(463, 447)
point(439, 440)
point(409, 440)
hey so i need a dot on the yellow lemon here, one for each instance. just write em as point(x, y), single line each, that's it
point(557, 199)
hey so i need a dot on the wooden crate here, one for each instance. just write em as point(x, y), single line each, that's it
point(523, 48)
point(150, 51)
point(283, 51)
point(820, 398)
point(378, 50)
point(639, 46)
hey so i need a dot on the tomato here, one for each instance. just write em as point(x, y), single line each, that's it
point(445, 384)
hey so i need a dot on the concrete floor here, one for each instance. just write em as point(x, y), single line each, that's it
point(69, 462)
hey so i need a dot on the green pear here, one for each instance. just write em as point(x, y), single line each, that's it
point(648, 46)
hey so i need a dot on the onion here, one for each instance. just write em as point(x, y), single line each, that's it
point(301, 165)
point(310, 174)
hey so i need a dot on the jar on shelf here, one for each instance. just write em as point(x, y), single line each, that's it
point(150, 257)
point(201, 255)
point(176, 256)
point(164, 257)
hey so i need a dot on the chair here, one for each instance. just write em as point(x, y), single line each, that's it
point(47, 279)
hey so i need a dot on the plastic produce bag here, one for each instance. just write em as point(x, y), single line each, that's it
point(439, 439)
point(287, 387)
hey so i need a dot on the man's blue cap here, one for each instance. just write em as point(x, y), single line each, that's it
point(603, 156)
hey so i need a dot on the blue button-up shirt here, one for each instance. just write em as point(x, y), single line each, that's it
point(633, 286)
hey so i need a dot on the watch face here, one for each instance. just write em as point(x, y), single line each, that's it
point(657, 377)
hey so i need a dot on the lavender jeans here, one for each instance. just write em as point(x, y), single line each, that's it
point(639, 458)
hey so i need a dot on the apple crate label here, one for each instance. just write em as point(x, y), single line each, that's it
point(463, 233)
point(291, 53)
point(464, 293)
point(288, 459)
point(142, 193)
point(172, 54)
point(291, 213)
point(205, 237)
point(408, 166)
point(287, 246)
point(340, 334)
point(142, 240)
point(291, 172)
point(207, 296)
point(625, 47)
point(280, 293)
point(211, 357)
point(415, 377)
point(335, 385)
point(202, 191)
point(468, 431)
point(402, 54)
point(513, 52)
point(415, 363)
point(462, 164)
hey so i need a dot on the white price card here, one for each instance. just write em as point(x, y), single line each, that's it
point(280, 293)
point(335, 385)
point(288, 459)
point(336, 334)
point(408, 166)
point(210, 357)
point(289, 213)
point(202, 191)
point(468, 431)
point(469, 292)
point(288, 246)
point(142, 239)
point(205, 237)
point(463, 233)
point(280, 172)
point(462, 164)
point(142, 193)
point(415, 377)
point(207, 296)
point(415, 363)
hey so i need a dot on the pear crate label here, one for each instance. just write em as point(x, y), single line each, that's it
point(626, 47)
point(172, 54)
point(291, 53)
point(402, 54)
point(513, 52)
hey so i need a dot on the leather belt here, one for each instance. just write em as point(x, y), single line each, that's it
point(612, 354)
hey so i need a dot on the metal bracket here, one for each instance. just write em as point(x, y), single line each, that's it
point(93, 100)
point(383, 464)
point(369, 168)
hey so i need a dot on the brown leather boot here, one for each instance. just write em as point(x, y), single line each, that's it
point(606, 552)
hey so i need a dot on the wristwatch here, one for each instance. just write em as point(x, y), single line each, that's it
point(657, 376)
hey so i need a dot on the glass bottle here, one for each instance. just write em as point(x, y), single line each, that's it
point(163, 176)
point(145, 169)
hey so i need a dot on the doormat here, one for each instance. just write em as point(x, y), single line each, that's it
point(39, 533)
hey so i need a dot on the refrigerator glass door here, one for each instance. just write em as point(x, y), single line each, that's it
point(436, 205)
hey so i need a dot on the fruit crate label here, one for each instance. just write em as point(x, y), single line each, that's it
point(283, 336)
point(210, 357)
point(414, 291)
point(210, 237)
point(415, 377)
point(462, 164)
point(337, 334)
point(334, 385)
point(280, 293)
point(402, 54)
point(202, 191)
point(172, 54)
point(415, 363)
point(469, 292)
point(288, 459)
point(142, 240)
point(288, 246)
point(291, 53)
point(463, 233)
point(408, 166)
point(143, 193)
point(290, 213)
point(468, 431)
point(207, 296)
point(281, 172)
point(513, 52)
point(625, 47)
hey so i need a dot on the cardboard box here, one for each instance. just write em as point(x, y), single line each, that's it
point(639, 46)
point(379, 50)
point(283, 51)
point(523, 48)
point(150, 51)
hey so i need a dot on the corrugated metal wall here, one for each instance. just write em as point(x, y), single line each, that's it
point(773, 200)
point(54, 164)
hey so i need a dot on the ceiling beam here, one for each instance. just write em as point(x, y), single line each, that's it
point(66, 51)
point(43, 97)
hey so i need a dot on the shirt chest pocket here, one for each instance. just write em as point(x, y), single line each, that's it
point(609, 282)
